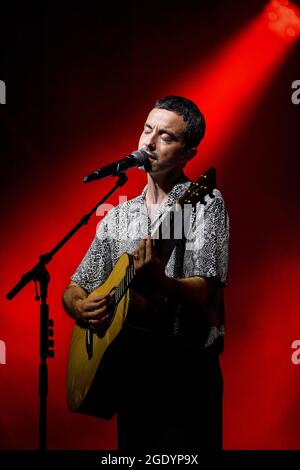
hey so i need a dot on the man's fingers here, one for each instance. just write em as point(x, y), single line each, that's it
point(144, 253)
point(98, 323)
point(148, 250)
point(97, 298)
point(96, 314)
point(92, 305)
point(139, 255)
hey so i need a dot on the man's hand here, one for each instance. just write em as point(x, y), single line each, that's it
point(149, 266)
point(94, 310)
point(191, 289)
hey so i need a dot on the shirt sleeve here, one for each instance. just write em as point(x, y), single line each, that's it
point(96, 264)
point(206, 251)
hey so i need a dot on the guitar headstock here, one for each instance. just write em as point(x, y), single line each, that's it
point(199, 189)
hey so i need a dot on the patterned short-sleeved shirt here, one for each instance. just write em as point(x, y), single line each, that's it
point(203, 253)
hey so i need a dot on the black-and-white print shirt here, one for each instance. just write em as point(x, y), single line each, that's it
point(204, 253)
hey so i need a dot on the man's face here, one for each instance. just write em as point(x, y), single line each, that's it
point(163, 138)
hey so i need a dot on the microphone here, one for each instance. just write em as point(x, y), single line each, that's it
point(136, 158)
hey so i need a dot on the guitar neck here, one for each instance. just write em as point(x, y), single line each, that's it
point(125, 282)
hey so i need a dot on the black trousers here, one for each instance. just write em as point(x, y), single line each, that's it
point(171, 399)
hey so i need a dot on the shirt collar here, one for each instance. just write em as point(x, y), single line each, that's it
point(175, 192)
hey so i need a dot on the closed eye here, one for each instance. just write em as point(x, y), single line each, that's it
point(167, 137)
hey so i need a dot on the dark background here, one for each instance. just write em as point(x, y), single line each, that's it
point(80, 80)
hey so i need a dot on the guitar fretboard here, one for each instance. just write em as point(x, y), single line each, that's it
point(125, 283)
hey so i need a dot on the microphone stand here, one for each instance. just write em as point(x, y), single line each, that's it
point(41, 277)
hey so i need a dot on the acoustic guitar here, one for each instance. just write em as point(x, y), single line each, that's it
point(90, 376)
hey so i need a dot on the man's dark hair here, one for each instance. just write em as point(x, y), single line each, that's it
point(195, 128)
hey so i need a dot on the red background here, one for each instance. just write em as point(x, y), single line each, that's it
point(80, 83)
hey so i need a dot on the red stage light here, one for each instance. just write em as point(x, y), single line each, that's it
point(232, 82)
point(283, 19)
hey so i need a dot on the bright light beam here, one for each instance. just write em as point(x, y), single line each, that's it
point(229, 86)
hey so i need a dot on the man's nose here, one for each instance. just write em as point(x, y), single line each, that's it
point(150, 141)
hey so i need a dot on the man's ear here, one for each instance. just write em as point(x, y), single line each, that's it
point(191, 153)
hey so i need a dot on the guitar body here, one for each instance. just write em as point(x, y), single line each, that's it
point(87, 390)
